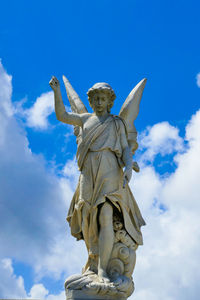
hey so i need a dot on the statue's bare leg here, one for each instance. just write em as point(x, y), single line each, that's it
point(85, 226)
point(106, 240)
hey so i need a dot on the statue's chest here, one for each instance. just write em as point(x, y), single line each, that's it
point(90, 124)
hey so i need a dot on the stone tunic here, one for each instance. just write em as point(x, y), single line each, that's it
point(99, 159)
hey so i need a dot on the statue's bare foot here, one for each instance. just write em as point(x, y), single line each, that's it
point(103, 276)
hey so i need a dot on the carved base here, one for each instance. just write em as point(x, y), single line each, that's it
point(83, 295)
point(88, 286)
point(119, 271)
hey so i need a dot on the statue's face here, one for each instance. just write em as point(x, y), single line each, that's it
point(100, 103)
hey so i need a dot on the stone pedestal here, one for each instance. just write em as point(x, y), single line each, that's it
point(82, 295)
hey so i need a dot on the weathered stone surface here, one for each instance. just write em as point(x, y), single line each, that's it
point(78, 295)
point(103, 211)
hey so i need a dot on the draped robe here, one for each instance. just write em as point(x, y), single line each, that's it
point(99, 157)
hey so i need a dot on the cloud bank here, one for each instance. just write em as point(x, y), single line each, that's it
point(33, 199)
point(168, 261)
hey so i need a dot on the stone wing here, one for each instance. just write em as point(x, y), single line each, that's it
point(76, 104)
point(130, 110)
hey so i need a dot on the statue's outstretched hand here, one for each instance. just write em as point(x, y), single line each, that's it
point(127, 175)
point(54, 84)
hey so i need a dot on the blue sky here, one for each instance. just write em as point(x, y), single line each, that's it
point(119, 43)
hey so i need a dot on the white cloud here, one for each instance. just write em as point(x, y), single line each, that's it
point(38, 291)
point(167, 264)
point(11, 286)
point(198, 79)
point(43, 107)
point(162, 138)
point(37, 115)
point(5, 92)
point(34, 200)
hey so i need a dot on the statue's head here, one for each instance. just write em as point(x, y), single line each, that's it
point(101, 89)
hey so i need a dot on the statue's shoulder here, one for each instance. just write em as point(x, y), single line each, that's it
point(120, 122)
point(117, 118)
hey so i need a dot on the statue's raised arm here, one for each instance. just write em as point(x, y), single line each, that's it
point(61, 114)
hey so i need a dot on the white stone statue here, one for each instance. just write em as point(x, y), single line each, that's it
point(103, 211)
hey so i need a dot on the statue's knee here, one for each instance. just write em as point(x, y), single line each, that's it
point(106, 215)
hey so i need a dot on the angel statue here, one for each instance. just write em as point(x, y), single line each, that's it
point(103, 211)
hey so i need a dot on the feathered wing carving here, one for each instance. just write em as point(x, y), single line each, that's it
point(76, 104)
point(129, 113)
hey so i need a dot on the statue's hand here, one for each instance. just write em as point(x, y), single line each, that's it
point(127, 175)
point(54, 84)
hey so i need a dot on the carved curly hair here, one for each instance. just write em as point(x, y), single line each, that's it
point(102, 87)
